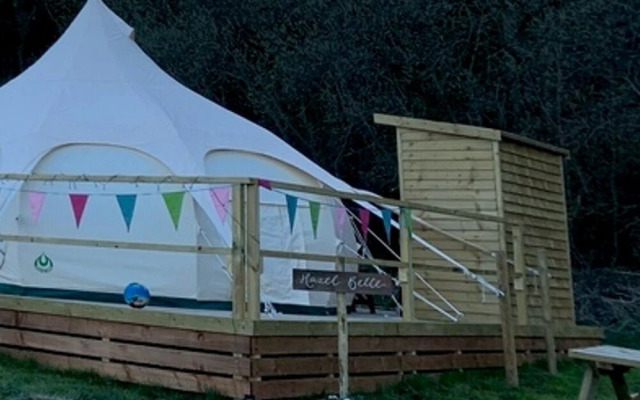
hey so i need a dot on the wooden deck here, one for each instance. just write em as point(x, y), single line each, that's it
point(270, 358)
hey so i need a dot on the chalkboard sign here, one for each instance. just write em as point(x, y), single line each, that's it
point(341, 282)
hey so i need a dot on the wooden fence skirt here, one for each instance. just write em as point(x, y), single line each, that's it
point(291, 363)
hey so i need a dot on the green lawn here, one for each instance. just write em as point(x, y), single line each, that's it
point(23, 380)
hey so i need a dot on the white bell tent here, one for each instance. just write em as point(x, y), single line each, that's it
point(95, 104)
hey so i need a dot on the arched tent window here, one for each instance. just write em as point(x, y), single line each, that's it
point(107, 271)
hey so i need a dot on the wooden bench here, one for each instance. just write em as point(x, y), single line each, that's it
point(612, 361)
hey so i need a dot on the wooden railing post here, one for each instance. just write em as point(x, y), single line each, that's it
point(343, 338)
point(519, 278)
point(238, 297)
point(549, 334)
point(254, 259)
point(406, 275)
point(506, 322)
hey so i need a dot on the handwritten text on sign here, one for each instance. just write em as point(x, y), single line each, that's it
point(342, 282)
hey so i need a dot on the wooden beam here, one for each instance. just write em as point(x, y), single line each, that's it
point(519, 280)
point(343, 338)
point(331, 258)
point(152, 179)
point(254, 259)
point(209, 322)
point(238, 297)
point(439, 127)
point(549, 334)
point(535, 143)
point(274, 184)
point(111, 244)
point(406, 275)
point(506, 322)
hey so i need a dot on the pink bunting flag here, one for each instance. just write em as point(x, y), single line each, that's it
point(78, 203)
point(340, 218)
point(36, 199)
point(364, 215)
point(220, 198)
point(264, 183)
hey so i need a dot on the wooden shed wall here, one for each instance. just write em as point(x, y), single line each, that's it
point(454, 172)
point(533, 192)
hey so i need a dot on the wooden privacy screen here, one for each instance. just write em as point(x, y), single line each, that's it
point(269, 359)
point(494, 173)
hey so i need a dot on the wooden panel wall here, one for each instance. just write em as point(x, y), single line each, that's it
point(285, 362)
point(175, 358)
point(454, 172)
point(298, 366)
point(533, 192)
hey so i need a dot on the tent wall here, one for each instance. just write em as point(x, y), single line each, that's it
point(103, 270)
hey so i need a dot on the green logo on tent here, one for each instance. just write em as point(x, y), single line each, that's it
point(43, 263)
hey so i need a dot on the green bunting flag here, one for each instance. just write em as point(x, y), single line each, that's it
point(314, 212)
point(173, 201)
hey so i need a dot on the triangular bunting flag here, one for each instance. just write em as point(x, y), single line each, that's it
point(364, 215)
point(314, 212)
point(127, 203)
point(220, 198)
point(386, 219)
point(78, 203)
point(292, 205)
point(36, 199)
point(340, 218)
point(173, 201)
point(264, 183)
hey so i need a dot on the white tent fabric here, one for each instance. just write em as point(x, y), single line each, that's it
point(96, 104)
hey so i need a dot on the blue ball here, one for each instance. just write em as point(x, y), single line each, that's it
point(136, 295)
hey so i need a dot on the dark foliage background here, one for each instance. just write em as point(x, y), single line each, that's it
point(565, 72)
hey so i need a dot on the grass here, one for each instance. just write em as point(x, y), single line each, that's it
point(535, 384)
point(25, 380)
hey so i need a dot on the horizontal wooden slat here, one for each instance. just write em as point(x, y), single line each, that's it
point(122, 313)
point(534, 203)
point(445, 145)
point(186, 381)
point(512, 178)
point(461, 175)
point(526, 151)
point(530, 163)
point(275, 345)
point(140, 354)
point(128, 332)
point(446, 165)
point(444, 156)
point(533, 193)
point(486, 207)
point(529, 173)
point(454, 194)
point(436, 184)
point(404, 125)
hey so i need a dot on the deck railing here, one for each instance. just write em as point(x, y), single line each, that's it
point(246, 254)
